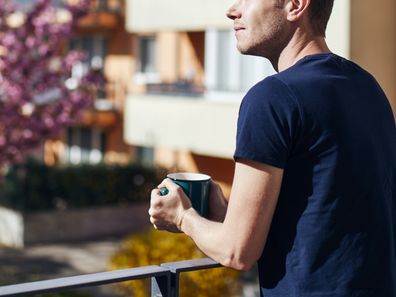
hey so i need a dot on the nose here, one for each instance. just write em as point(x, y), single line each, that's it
point(233, 12)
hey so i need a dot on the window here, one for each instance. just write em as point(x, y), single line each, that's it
point(95, 48)
point(147, 54)
point(226, 70)
point(85, 145)
point(147, 66)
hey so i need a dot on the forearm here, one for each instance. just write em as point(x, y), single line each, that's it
point(214, 240)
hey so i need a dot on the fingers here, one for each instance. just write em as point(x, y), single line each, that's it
point(167, 186)
point(214, 186)
point(155, 207)
point(155, 210)
point(155, 194)
point(215, 190)
point(168, 183)
point(165, 211)
point(160, 225)
point(213, 183)
point(154, 220)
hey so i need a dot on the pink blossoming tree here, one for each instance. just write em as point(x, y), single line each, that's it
point(38, 94)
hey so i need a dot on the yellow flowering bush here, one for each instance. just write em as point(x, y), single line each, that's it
point(156, 247)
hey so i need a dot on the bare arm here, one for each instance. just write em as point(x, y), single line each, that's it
point(239, 240)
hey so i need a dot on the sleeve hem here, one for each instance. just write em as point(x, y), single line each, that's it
point(268, 161)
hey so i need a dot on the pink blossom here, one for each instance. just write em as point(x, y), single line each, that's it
point(33, 64)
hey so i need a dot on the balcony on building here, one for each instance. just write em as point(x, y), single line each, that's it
point(105, 111)
point(105, 14)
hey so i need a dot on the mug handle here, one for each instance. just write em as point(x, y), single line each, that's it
point(163, 191)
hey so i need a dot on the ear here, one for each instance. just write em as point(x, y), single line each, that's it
point(296, 9)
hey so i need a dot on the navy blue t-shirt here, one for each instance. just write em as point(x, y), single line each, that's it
point(328, 124)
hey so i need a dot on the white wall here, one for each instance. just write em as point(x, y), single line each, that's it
point(339, 28)
point(205, 127)
point(11, 228)
point(226, 69)
point(183, 15)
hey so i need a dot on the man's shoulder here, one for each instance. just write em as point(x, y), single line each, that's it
point(322, 66)
point(305, 70)
point(271, 85)
point(270, 95)
point(271, 89)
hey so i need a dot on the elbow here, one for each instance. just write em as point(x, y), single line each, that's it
point(239, 261)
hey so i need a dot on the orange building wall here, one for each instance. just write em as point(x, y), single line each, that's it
point(168, 54)
point(119, 68)
point(192, 56)
point(181, 56)
point(373, 41)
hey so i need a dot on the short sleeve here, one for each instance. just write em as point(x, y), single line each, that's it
point(268, 124)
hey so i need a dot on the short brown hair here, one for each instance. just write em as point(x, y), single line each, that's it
point(319, 12)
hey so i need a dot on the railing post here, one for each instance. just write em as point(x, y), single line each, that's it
point(185, 266)
point(174, 283)
point(165, 286)
point(161, 286)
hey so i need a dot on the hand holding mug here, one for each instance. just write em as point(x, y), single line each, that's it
point(166, 212)
point(196, 186)
point(175, 195)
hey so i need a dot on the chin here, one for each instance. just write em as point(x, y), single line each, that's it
point(250, 51)
point(244, 50)
point(260, 50)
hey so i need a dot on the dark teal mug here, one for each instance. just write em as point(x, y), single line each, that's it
point(196, 186)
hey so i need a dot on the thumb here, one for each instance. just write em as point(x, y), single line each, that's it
point(167, 183)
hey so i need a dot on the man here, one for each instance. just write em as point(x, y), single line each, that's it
point(313, 198)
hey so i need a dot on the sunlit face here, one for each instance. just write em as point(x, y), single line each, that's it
point(260, 26)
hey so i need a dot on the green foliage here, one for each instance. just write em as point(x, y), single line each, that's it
point(34, 186)
point(156, 247)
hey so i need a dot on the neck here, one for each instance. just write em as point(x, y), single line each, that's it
point(299, 46)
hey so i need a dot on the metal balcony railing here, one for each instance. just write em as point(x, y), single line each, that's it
point(179, 88)
point(164, 279)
